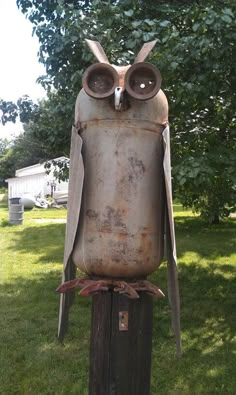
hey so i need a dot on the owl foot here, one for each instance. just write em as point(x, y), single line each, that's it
point(91, 286)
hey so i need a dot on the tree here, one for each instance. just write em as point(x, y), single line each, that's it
point(47, 127)
point(51, 124)
point(22, 152)
point(195, 53)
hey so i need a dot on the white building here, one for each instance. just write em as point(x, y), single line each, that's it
point(34, 180)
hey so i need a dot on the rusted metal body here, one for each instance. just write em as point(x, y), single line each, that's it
point(120, 199)
point(121, 232)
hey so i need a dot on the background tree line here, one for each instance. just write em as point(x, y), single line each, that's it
point(196, 55)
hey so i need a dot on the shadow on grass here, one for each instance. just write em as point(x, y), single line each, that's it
point(46, 241)
point(208, 323)
point(31, 358)
point(33, 361)
point(192, 234)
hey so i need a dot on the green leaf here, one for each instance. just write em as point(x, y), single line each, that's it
point(130, 44)
point(164, 23)
point(165, 39)
point(196, 27)
point(148, 36)
point(229, 12)
point(182, 181)
point(136, 23)
point(137, 33)
point(226, 18)
point(129, 13)
point(173, 65)
point(149, 22)
point(209, 21)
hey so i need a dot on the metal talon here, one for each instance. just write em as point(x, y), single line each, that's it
point(129, 289)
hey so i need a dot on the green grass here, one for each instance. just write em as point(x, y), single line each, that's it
point(33, 362)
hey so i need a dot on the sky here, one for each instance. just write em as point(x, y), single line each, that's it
point(19, 66)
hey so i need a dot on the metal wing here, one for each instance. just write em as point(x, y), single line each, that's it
point(76, 178)
point(173, 287)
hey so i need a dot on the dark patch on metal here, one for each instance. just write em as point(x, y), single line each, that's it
point(112, 219)
point(118, 250)
point(116, 260)
point(77, 127)
point(92, 214)
point(140, 250)
point(137, 167)
point(97, 262)
point(134, 172)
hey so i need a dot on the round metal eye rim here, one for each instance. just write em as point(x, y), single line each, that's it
point(97, 67)
point(148, 67)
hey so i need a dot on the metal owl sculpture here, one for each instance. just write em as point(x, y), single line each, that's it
point(120, 217)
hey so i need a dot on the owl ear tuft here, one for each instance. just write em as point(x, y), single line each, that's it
point(144, 51)
point(98, 51)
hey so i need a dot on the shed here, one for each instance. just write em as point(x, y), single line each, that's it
point(35, 180)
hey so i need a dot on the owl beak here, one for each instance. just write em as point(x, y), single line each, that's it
point(118, 97)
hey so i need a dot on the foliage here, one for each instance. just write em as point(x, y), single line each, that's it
point(3, 191)
point(22, 152)
point(4, 143)
point(7, 168)
point(195, 174)
point(46, 135)
point(195, 53)
point(33, 362)
point(59, 168)
point(51, 124)
point(205, 140)
point(11, 111)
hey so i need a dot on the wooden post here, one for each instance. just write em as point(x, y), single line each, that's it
point(121, 344)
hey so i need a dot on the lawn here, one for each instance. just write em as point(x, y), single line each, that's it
point(33, 362)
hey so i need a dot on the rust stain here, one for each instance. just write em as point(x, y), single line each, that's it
point(121, 236)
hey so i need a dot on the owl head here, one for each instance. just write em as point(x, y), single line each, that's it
point(141, 81)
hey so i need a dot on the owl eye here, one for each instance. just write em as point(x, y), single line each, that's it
point(142, 81)
point(100, 80)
